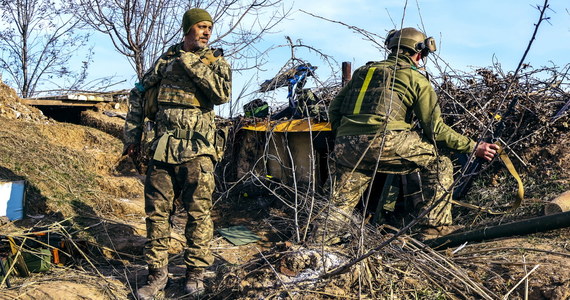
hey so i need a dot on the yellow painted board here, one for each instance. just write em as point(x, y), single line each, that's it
point(301, 125)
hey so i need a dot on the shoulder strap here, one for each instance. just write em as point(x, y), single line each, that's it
point(385, 72)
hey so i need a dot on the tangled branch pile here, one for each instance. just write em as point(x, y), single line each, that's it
point(472, 101)
point(535, 132)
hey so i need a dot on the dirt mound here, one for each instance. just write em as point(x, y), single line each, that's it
point(11, 107)
point(108, 117)
point(73, 173)
point(552, 158)
point(525, 114)
point(65, 163)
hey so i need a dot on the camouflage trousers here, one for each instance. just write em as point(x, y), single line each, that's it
point(397, 152)
point(193, 182)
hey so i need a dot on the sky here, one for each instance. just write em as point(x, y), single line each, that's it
point(469, 34)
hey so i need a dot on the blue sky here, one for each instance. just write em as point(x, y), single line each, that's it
point(469, 34)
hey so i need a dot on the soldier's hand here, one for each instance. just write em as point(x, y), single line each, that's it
point(132, 150)
point(486, 150)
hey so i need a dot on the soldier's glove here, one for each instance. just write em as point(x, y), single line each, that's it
point(211, 56)
point(132, 150)
point(140, 159)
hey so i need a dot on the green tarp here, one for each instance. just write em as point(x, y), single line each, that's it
point(238, 235)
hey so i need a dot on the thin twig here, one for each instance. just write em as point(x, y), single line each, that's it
point(513, 248)
point(506, 296)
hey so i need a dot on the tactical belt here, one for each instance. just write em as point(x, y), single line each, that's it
point(193, 101)
point(520, 192)
point(184, 134)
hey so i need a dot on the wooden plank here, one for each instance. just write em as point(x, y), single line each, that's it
point(81, 97)
point(71, 103)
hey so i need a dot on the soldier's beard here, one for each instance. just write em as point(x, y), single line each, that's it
point(195, 45)
point(201, 44)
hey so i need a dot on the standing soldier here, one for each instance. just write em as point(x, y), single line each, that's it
point(188, 80)
point(372, 117)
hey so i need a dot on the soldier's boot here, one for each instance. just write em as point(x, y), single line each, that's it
point(194, 282)
point(156, 281)
point(432, 232)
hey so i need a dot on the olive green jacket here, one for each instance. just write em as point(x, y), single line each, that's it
point(412, 94)
point(182, 131)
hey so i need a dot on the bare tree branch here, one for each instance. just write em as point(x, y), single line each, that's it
point(142, 30)
point(37, 40)
point(369, 36)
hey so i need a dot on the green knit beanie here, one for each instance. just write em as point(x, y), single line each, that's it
point(193, 16)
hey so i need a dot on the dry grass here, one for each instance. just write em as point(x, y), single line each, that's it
point(65, 166)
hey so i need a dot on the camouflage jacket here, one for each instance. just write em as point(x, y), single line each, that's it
point(188, 88)
point(371, 102)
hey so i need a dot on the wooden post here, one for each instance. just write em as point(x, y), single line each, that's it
point(346, 72)
point(558, 205)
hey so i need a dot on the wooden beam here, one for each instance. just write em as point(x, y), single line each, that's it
point(70, 103)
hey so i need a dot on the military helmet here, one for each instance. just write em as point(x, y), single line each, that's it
point(411, 39)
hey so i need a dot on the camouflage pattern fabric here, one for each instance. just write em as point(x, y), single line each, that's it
point(183, 149)
point(184, 128)
point(175, 144)
point(348, 186)
point(372, 117)
point(396, 152)
point(193, 182)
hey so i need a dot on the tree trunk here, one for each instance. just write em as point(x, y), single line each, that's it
point(558, 205)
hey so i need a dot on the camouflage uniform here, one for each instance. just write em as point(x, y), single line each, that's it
point(372, 117)
point(189, 85)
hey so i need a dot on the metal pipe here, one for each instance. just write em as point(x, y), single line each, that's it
point(534, 225)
